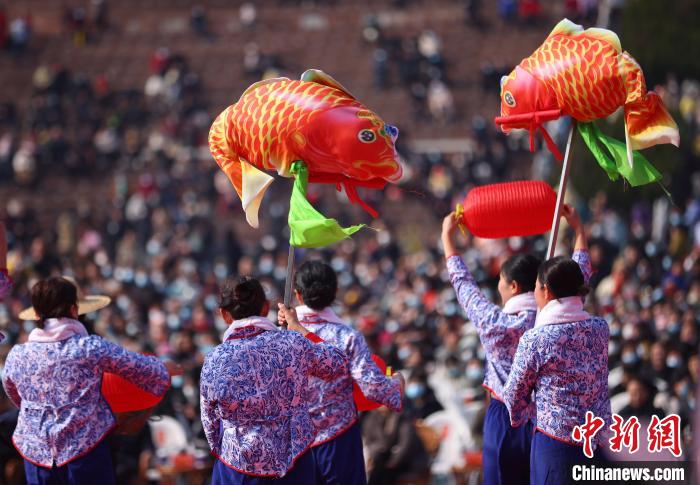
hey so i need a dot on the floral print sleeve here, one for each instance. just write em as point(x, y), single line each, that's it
point(208, 403)
point(5, 283)
point(499, 332)
point(148, 373)
point(374, 385)
point(517, 393)
point(328, 363)
point(478, 309)
point(583, 258)
point(11, 390)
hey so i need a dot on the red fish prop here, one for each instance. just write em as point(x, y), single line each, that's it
point(277, 122)
point(584, 74)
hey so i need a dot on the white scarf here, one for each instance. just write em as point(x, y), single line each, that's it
point(258, 322)
point(326, 314)
point(520, 303)
point(563, 310)
point(57, 329)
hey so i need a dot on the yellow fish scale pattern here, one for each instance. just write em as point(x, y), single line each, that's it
point(582, 72)
point(261, 122)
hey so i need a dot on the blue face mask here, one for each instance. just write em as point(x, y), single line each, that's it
point(415, 390)
point(404, 353)
point(454, 372)
point(673, 362)
point(475, 373)
point(177, 381)
point(629, 358)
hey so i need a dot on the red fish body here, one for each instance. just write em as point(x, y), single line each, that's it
point(586, 75)
point(316, 120)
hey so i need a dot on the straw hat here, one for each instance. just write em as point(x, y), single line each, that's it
point(86, 303)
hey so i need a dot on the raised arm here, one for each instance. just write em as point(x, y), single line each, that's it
point(517, 393)
point(580, 254)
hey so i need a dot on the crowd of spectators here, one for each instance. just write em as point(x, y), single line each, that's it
point(163, 227)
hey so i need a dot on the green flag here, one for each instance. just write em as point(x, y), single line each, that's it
point(642, 173)
point(308, 228)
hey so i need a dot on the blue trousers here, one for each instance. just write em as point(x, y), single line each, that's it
point(551, 460)
point(303, 472)
point(93, 468)
point(340, 460)
point(506, 454)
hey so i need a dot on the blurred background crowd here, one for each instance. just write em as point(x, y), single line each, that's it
point(105, 176)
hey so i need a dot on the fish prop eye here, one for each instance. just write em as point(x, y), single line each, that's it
point(509, 99)
point(366, 136)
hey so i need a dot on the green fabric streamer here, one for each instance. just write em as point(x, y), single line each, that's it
point(642, 173)
point(308, 228)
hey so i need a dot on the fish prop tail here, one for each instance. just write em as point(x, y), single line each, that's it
point(226, 158)
point(611, 155)
point(649, 123)
point(309, 228)
point(250, 183)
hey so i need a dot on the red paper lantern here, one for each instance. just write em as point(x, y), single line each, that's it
point(362, 403)
point(509, 209)
point(123, 396)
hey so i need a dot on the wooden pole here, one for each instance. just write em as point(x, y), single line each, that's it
point(290, 277)
point(561, 194)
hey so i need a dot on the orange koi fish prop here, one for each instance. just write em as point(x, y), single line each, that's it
point(585, 74)
point(313, 129)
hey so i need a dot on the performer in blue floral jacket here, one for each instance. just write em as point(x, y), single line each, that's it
point(255, 392)
point(506, 449)
point(338, 445)
point(55, 380)
point(564, 360)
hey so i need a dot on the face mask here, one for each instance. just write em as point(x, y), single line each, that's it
point(613, 348)
point(673, 362)
point(684, 391)
point(629, 358)
point(454, 372)
point(615, 331)
point(207, 348)
point(627, 332)
point(414, 390)
point(674, 328)
point(177, 381)
point(475, 373)
point(404, 353)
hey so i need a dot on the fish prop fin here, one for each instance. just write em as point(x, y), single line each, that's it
point(254, 184)
point(308, 228)
point(605, 35)
point(611, 155)
point(319, 77)
point(649, 123)
point(354, 197)
point(566, 27)
point(533, 122)
point(256, 85)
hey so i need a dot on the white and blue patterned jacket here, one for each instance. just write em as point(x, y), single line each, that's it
point(499, 331)
point(56, 386)
point(566, 365)
point(255, 397)
point(333, 409)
